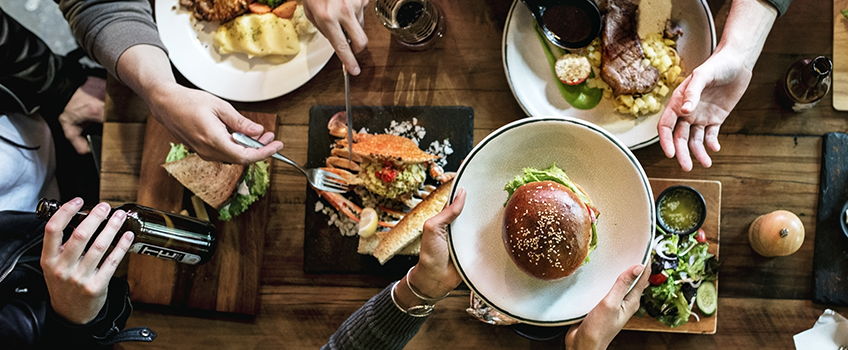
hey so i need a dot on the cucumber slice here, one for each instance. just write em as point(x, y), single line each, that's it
point(707, 298)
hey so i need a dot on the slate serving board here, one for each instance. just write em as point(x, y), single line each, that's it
point(830, 258)
point(325, 249)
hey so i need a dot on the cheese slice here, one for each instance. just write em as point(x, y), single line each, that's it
point(257, 35)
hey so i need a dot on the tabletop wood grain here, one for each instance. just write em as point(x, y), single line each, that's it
point(769, 160)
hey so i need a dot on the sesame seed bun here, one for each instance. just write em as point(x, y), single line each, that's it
point(547, 230)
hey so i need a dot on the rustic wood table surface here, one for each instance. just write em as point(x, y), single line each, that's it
point(769, 160)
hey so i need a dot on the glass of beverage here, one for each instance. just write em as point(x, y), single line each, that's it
point(415, 24)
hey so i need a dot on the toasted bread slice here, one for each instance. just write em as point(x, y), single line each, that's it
point(213, 182)
point(368, 244)
point(412, 225)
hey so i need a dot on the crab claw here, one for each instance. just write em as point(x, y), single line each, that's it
point(342, 204)
point(338, 125)
point(439, 174)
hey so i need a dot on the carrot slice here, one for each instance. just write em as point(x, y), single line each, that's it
point(259, 8)
point(286, 10)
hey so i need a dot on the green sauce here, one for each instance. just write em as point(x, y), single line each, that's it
point(680, 210)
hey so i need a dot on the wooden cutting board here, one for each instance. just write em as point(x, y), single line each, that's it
point(711, 190)
point(840, 56)
point(229, 282)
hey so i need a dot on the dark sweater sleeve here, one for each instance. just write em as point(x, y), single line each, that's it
point(107, 28)
point(780, 5)
point(30, 74)
point(376, 325)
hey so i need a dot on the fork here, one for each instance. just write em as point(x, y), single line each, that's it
point(320, 179)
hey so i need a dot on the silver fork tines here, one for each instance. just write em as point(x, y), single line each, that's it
point(319, 179)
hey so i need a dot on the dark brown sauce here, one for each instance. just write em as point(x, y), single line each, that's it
point(568, 22)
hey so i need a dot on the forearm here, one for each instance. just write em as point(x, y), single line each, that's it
point(376, 325)
point(146, 70)
point(107, 29)
point(747, 28)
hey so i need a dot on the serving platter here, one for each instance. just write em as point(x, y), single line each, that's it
point(235, 76)
point(325, 249)
point(534, 86)
point(711, 190)
point(595, 160)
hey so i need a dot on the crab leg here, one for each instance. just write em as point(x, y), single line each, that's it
point(343, 163)
point(342, 204)
point(439, 174)
point(348, 208)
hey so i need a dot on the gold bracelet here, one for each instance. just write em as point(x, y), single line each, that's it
point(418, 294)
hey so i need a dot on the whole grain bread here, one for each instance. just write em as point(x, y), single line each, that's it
point(213, 182)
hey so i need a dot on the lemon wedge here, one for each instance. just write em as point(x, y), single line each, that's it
point(368, 222)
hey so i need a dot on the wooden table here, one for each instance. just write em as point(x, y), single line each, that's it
point(769, 160)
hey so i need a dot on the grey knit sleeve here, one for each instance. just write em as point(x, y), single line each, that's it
point(376, 325)
point(107, 28)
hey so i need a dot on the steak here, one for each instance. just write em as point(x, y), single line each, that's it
point(216, 10)
point(622, 67)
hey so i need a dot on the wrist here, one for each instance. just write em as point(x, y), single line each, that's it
point(426, 284)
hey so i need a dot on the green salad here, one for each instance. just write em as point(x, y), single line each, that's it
point(555, 174)
point(682, 276)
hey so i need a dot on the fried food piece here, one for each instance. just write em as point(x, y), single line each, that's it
point(216, 10)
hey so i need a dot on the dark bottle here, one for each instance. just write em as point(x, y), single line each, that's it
point(164, 235)
point(806, 82)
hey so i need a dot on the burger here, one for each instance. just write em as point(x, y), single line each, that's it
point(549, 226)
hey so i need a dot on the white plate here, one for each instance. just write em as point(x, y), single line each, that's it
point(533, 83)
point(593, 158)
point(233, 77)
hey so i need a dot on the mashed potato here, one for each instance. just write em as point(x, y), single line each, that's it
point(258, 35)
point(661, 54)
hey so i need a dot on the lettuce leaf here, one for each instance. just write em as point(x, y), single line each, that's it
point(257, 180)
point(178, 151)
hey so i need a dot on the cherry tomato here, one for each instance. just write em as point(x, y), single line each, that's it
point(701, 236)
point(657, 279)
point(386, 174)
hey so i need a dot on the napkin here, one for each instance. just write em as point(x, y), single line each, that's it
point(829, 332)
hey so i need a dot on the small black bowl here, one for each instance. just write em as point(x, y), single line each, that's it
point(703, 212)
point(538, 333)
point(583, 13)
point(842, 219)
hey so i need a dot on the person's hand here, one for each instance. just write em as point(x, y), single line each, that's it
point(606, 320)
point(340, 20)
point(204, 122)
point(699, 106)
point(434, 276)
point(85, 106)
point(77, 281)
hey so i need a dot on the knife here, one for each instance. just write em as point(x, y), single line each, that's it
point(348, 114)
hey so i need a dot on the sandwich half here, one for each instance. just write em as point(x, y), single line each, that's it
point(229, 188)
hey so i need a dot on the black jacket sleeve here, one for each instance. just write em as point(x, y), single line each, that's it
point(30, 74)
point(780, 5)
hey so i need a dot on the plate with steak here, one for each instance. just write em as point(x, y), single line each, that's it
point(645, 48)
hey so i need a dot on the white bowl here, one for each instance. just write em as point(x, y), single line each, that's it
point(594, 159)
